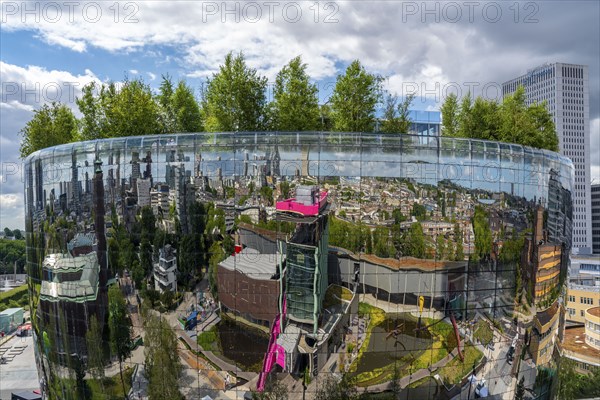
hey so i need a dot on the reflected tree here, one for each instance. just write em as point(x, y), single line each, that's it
point(120, 327)
point(163, 366)
point(331, 388)
point(95, 349)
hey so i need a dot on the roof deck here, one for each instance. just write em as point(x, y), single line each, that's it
point(252, 263)
point(303, 208)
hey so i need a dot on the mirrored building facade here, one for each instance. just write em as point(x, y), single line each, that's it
point(415, 266)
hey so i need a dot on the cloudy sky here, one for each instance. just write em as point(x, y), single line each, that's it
point(50, 50)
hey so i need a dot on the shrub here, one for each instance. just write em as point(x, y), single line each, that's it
point(14, 298)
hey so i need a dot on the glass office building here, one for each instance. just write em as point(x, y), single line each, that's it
point(438, 258)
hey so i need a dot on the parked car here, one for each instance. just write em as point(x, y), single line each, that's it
point(510, 355)
point(481, 390)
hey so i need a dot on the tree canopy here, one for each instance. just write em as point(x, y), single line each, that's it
point(396, 117)
point(50, 125)
point(129, 110)
point(234, 98)
point(120, 327)
point(512, 120)
point(182, 109)
point(163, 366)
point(296, 104)
point(12, 251)
point(354, 100)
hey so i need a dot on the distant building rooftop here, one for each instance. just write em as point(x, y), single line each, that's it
point(10, 311)
point(413, 263)
point(272, 235)
point(70, 278)
point(252, 263)
point(587, 288)
point(546, 316)
point(576, 347)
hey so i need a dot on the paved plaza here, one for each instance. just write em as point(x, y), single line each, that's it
point(19, 373)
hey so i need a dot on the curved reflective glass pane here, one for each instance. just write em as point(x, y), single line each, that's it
point(406, 263)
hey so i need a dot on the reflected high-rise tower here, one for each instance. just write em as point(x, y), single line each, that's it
point(75, 198)
point(564, 88)
point(100, 228)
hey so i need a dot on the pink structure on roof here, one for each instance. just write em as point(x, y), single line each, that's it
point(275, 353)
point(308, 210)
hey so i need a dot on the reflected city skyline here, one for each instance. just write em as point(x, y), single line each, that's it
point(463, 239)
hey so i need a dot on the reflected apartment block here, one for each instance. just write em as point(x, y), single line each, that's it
point(584, 287)
point(165, 270)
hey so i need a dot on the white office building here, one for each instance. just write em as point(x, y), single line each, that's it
point(596, 218)
point(143, 192)
point(565, 88)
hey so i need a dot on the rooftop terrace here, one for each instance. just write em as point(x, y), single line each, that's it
point(252, 263)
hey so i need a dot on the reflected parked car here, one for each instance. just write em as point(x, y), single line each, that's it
point(481, 390)
point(510, 355)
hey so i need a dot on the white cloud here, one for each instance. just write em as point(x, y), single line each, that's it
point(24, 89)
point(15, 105)
point(11, 211)
point(152, 76)
point(9, 200)
point(33, 85)
point(381, 34)
point(133, 71)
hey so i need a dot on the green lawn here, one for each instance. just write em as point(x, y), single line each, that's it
point(377, 316)
point(456, 370)
point(15, 298)
point(209, 340)
point(376, 376)
point(111, 388)
point(443, 342)
point(483, 332)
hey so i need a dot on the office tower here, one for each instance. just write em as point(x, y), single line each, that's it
point(596, 219)
point(143, 192)
point(565, 89)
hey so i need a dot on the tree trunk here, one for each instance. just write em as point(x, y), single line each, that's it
point(122, 381)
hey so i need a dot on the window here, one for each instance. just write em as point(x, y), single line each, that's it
point(586, 300)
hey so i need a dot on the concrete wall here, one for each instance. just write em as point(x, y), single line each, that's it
point(397, 286)
point(253, 240)
point(255, 298)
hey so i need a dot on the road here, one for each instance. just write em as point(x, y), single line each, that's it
point(20, 374)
